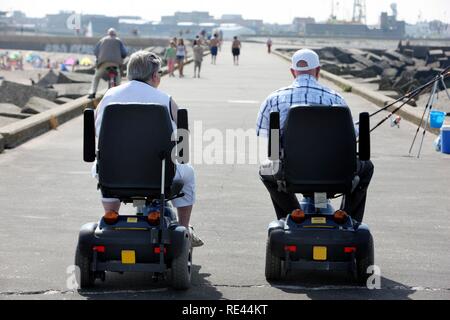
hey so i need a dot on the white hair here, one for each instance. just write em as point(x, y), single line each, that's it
point(142, 65)
point(112, 32)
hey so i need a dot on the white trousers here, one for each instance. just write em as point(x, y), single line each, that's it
point(184, 173)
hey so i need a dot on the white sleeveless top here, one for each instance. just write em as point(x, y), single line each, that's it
point(133, 92)
point(181, 51)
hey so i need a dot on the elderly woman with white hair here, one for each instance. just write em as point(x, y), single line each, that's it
point(144, 75)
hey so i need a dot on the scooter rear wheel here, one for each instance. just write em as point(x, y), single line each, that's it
point(273, 265)
point(182, 267)
point(86, 278)
point(363, 263)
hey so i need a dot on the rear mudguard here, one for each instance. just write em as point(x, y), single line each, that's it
point(86, 238)
point(277, 224)
point(177, 237)
point(364, 240)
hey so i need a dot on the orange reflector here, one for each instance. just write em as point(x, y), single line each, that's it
point(153, 218)
point(111, 217)
point(298, 216)
point(99, 249)
point(340, 216)
point(290, 248)
point(157, 250)
point(349, 249)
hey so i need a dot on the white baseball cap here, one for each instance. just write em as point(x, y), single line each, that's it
point(305, 60)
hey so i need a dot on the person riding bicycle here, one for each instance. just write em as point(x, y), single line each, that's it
point(110, 52)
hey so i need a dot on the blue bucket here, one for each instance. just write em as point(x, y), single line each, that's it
point(445, 137)
point(437, 119)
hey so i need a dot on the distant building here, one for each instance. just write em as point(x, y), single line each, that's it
point(434, 29)
point(100, 23)
point(231, 18)
point(194, 17)
point(57, 23)
point(390, 28)
point(299, 24)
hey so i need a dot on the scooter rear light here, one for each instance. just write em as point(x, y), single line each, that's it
point(298, 216)
point(153, 218)
point(350, 249)
point(340, 217)
point(290, 248)
point(111, 217)
point(99, 249)
point(157, 250)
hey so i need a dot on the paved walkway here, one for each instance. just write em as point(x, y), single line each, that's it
point(46, 194)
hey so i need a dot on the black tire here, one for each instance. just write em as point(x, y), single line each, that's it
point(85, 277)
point(273, 265)
point(182, 268)
point(363, 263)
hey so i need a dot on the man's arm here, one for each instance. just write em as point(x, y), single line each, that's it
point(97, 49)
point(262, 122)
point(123, 50)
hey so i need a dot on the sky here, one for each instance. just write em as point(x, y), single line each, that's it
point(272, 11)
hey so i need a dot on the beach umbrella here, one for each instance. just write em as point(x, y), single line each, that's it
point(37, 62)
point(15, 56)
point(70, 61)
point(31, 57)
point(86, 62)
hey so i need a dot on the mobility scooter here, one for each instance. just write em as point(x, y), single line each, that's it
point(317, 158)
point(134, 164)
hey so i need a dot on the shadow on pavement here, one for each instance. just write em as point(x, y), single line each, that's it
point(141, 287)
point(335, 286)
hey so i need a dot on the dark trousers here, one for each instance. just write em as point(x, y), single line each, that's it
point(355, 203)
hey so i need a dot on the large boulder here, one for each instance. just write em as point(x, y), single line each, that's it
point(72, 77)
point(55, 77)
point(9, 108)
point(85, 70)
point(37, 105)
point(369, 72)
point(72, 90)
point(48, 80)
point(363, 60)
point(63, 100)
point(19, 94)
point(390, 73)
point(332, 67)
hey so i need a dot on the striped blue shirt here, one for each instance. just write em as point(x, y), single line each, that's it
point(305, 90)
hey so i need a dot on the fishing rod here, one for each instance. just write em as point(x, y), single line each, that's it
point(414, 92)
point(409, 96)
point(430, 107)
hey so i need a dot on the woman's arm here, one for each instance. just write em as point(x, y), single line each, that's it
point(174, 110)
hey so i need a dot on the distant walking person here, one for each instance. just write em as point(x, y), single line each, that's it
point(236, 50)
point(214, 47)
point(269, 45)
point(181, 56)
point(110, 52)
point(198, 58)
point(170, 56)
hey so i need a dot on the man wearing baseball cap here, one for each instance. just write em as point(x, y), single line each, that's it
point(306, 90)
